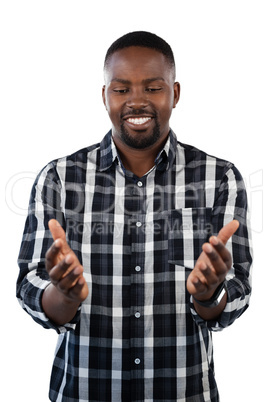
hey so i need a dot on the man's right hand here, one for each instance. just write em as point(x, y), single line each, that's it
point(65, 271)
point(68, 287)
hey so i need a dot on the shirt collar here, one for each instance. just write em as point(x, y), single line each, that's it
point(165, 158)
point(108, 152)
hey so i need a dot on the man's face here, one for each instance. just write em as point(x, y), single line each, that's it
point(139, 95)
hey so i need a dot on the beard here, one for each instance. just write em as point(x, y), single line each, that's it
point(139, 141)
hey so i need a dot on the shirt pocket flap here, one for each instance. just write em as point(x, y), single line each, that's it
point(189, 229)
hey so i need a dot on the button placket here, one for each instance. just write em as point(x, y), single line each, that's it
point(137, 211)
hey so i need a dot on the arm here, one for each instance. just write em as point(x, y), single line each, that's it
point(230, 203)
point(35, 262)
point(68, 287)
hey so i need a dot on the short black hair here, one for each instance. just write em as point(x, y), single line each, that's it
point(142, 39)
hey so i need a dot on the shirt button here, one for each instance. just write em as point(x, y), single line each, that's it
point(139, 183)
point(137, 268)
point(138, 224)
point(137, 314)
point(137, 361)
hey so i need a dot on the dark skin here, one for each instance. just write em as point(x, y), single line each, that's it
point(139, 80)
point(68, 287)
point(210, 271)
point(139, 95)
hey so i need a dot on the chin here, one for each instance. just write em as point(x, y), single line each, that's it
point(141, 140)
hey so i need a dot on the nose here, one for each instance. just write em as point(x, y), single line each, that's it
point(137, 99)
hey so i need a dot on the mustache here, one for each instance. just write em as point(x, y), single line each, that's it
point(138, 112)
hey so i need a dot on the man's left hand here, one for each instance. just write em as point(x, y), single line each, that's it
point(213, 264)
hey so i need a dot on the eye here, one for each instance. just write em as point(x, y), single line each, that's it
point(120, 90)
point(153, 89)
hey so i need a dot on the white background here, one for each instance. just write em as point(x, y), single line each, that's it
point(50, 104)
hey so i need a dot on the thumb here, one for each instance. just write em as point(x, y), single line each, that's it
point(228, 230)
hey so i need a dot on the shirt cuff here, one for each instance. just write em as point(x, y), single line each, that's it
point(33, 306)
point(237, 303)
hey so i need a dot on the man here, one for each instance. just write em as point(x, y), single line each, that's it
point(151, 249)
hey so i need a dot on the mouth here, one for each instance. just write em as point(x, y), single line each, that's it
point(138, 120)
point(138, 123)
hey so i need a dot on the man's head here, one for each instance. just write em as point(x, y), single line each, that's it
point(139, 91)
point(142, 39)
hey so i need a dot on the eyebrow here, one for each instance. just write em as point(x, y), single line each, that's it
point(146, 81)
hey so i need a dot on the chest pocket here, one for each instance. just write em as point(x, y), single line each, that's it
point(189, 229)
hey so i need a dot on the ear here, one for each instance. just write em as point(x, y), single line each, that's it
point(103, 96)
point(177, 91)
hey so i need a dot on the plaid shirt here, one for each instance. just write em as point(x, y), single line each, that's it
point(137, 336)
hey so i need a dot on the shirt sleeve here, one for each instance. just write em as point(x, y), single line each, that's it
point(231, 203)
point(45, 204)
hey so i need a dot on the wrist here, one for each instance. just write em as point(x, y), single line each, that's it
point(58, 307)
point(215, 299)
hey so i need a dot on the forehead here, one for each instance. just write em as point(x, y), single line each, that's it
point(133, 62)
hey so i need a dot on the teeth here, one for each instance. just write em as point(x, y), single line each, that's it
point(139, 120)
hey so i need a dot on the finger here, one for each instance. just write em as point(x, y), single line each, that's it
point(58, 233)
point(56, 230)
point(70, 280)
point(52, 254)
point(74, 285)
point(196, 282)
point(202, 285)
point(209, 275)
point(219, 266)
point(80, 290)
point(60, 270)
point(228, 230)
point(221, 249)
point(194, 285)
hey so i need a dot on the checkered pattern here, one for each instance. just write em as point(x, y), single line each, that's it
point(137, 336)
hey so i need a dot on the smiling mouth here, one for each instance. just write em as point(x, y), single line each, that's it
point(138, 120)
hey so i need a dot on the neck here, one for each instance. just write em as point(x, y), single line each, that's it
point(138, 161)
